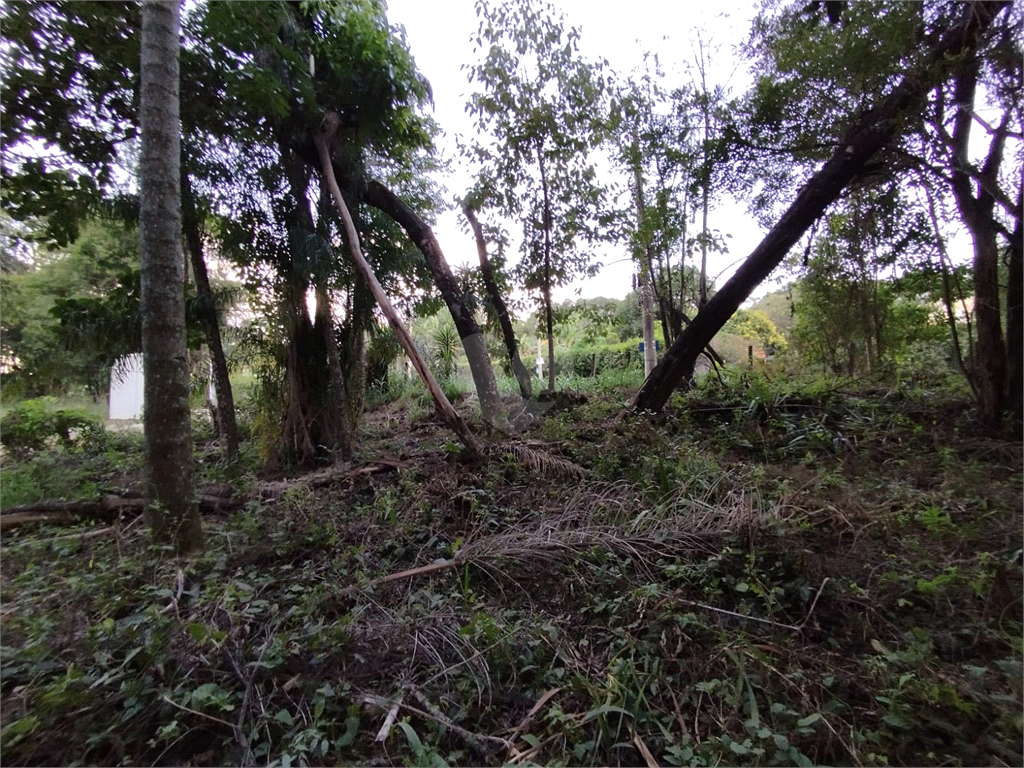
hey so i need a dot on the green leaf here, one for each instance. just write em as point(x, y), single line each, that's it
point(198, 631)
point(896, 721)
point(738, 748)
point(284, 716)
point(411, 737)
point(530, 739)
point(803, 722)
point(605, 709)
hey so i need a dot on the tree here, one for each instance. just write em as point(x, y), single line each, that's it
point(450, 415)
point(224, 414)
point(755, 326)
point(871, 132)
point(976, 191)
point(545, 108)
point(45, 328)
point(361, 71)
point(820, 71)
point(378, 195)
point(72, 80)
point(171, 511)
point(497, 303)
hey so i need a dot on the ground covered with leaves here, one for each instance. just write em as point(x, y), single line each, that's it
point(761, 575)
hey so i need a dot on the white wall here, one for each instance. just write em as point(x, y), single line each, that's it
point(126, 390)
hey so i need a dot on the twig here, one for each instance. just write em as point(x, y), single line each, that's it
point(385, 729)
point(644, 751)
point(243, 710)
point(473, 740)
point(791, 627)
point(739, 615)
point(195, 712)
point(533, 711)
point(813, 603)
point(478, 654)
point(469, 736)
point(83, 535)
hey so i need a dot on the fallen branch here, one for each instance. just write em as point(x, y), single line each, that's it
point(476, 741)
point(214, 499)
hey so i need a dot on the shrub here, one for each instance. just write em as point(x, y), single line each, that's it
point(589, 361)
point(31, 426)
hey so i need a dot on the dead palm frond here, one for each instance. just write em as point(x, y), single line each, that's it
point(541, 461)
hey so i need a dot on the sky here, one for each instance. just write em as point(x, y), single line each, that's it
point(439, 38)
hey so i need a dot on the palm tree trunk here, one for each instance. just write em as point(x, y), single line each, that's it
point(171, 511)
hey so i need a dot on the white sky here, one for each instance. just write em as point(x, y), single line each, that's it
point(439, 38)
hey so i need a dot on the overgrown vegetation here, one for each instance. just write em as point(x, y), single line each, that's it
point(822, 572)
point(806, 551)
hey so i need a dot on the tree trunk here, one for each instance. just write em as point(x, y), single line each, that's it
point(947, 289)
point(873, 131)
point(504, 320)
point(977, 213)
point(448, 413)
point(548, 314)
point(1015, 321)
point(379, 196)
point(706, 186)
point(646, 297)
point(225, 419)
point(342, 426)
point(171, 511)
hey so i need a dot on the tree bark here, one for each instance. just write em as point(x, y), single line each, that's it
point(947, 288)
point(548, 313)
point(171, 511)
point(448, 413)
point(226, 424)
point(1015, 321)
point(977, 213)
point(504, 319)
point(379, 196)
point(343, 427)
point(871, 132)
point(646, 289)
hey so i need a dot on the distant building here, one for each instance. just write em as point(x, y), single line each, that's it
point(126, 385)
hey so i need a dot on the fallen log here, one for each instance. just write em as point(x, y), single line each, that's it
point(214, 499)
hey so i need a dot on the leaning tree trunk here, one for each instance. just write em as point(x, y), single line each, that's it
point(448, 413)
point(225, 418)
point(379, 196)
point(977, 213)
point(873, 131)
point(504, 319)
point(171, 511)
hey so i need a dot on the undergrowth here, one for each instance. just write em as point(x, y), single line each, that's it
point(764, 574)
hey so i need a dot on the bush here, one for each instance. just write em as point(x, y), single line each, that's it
point(31, 426)
point(595, 360)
